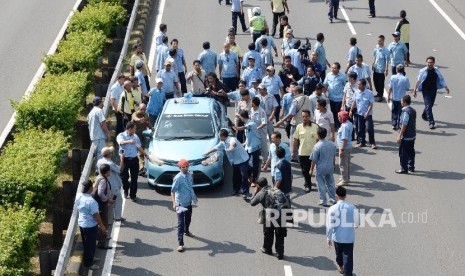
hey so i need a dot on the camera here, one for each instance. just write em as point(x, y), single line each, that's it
point(304, 48)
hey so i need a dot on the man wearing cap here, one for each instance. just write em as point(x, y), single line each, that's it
point(170, 80)
point(229, 66)
point(288, 43)
point(115, 181)
point(157, 98)
point(275, 87)
point(182, 196)
point(129, 144)
point(238, 158)
point(251, 72)
point(253, 53)
point(270, 106)
point(197, 77)
point(140, 78)
point(344, 144)
point(115, 94)
point(98, 129)
point(398, 52)
point(399, 84)
point(127, 102)
point(380, 67)
point(429, 80)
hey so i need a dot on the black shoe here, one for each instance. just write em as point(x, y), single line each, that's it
point(401, 172)
point(411, 169)
point(134, 199)
point(126, 195)
point(104, 247)
point(235, 193)
point(268, 252)
point(432, 126)
point(228, 3)
point(380, 99)
point(307, 189)
point(280, 257)
point(423, 116)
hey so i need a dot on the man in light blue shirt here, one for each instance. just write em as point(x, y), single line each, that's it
point(228, 64)
point(335, 83)
point(162, 32)
point(272, 158)
point(362, 69)
point(170, 80)
point(344, 144)
point(129, 144)
point(398, 52)
point(321, 54)
point(208, 59)
point(353, 52)
point(270, 45)
point(322, 157)
point(237, 10)
point(398, 87)
point(252, 53)
point(380, 67)
point(363, 101)
point(182, 196)
point(252, 143)
point(272, 82)
point(98, 130)
point(157, 98)
point(251, 72)
point(341, 221)
point(162, 53)
point(238, 158)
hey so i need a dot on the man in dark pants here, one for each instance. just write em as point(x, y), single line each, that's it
point(282, 173)
point(341, 221)
point(380, 67)
point(182, 196)
point(407, 135)
point(371, 4)
point(363, 102)
point(429, 81)
point(333, 7)
point(278, 7)
point(238, 11)
point(269, 229)
point(129, 144)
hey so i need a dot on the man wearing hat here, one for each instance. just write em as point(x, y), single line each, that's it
point(398, 87)
point(98, 129)
point(251, 72)
point(157, 98)
point(251, 52)
point(182, 196)
point(398, 52)
point(115, 94)
point(170, 80)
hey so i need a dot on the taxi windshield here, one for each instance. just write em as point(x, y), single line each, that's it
point(185, 126)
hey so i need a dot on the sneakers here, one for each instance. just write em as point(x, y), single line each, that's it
point(268, 252)
point(189, 234)
point(180, 248)
point(307, 189)
point(341, 183)
point(432, 126)
point(121, 219)
point(134, 199)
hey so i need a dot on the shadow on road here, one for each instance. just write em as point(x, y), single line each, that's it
point(148, 228)
point(443, 175)
point(319, 262)
point(119, 270)
point(224, 247)
point(143, 249)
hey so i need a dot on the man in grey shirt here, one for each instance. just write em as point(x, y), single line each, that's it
point(98, 130)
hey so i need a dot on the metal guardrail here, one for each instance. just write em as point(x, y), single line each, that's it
point(88, 167)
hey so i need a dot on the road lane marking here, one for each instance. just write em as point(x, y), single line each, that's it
point(454, 26)
point(287, 270)
point(153, 46)
point(114, 240)
point(346, 17)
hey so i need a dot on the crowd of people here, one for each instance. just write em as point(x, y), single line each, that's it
point(322, 112)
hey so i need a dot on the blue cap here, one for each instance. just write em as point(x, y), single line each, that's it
point(254, 80)
point(97, 100)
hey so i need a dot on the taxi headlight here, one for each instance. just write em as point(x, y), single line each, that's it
point(211, 159)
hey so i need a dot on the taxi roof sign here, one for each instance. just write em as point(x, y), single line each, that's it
point(184, 100)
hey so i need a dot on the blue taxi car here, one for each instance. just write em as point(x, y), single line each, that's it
point(186, 129)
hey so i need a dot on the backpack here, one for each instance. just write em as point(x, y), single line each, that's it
point(277, 200)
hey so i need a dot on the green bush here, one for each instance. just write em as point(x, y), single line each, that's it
point(55, 103)
point(19, 232)
point(114, 2)
point(30, 163)
point(103, 16)
point(79, 52)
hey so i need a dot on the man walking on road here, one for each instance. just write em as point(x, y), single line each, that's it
point(208, 59)
point(182, 196)
point(398, 87)
point(398, 52)
point(344, 143)
point(341, 221)
point(237, 10)
point(380, 67)
point(323, 159)
point(363, 103)
point(98, 129)
point(278, 7)
point(429, 80)
point(406, 138)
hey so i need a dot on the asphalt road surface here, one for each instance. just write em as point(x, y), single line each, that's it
point(421, 213)
point(28, 30)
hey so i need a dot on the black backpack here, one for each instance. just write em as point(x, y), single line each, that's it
point(277, 200)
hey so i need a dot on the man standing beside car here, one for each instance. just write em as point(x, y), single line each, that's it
point(129, 145)
point(182, 196)
point(238, 158)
